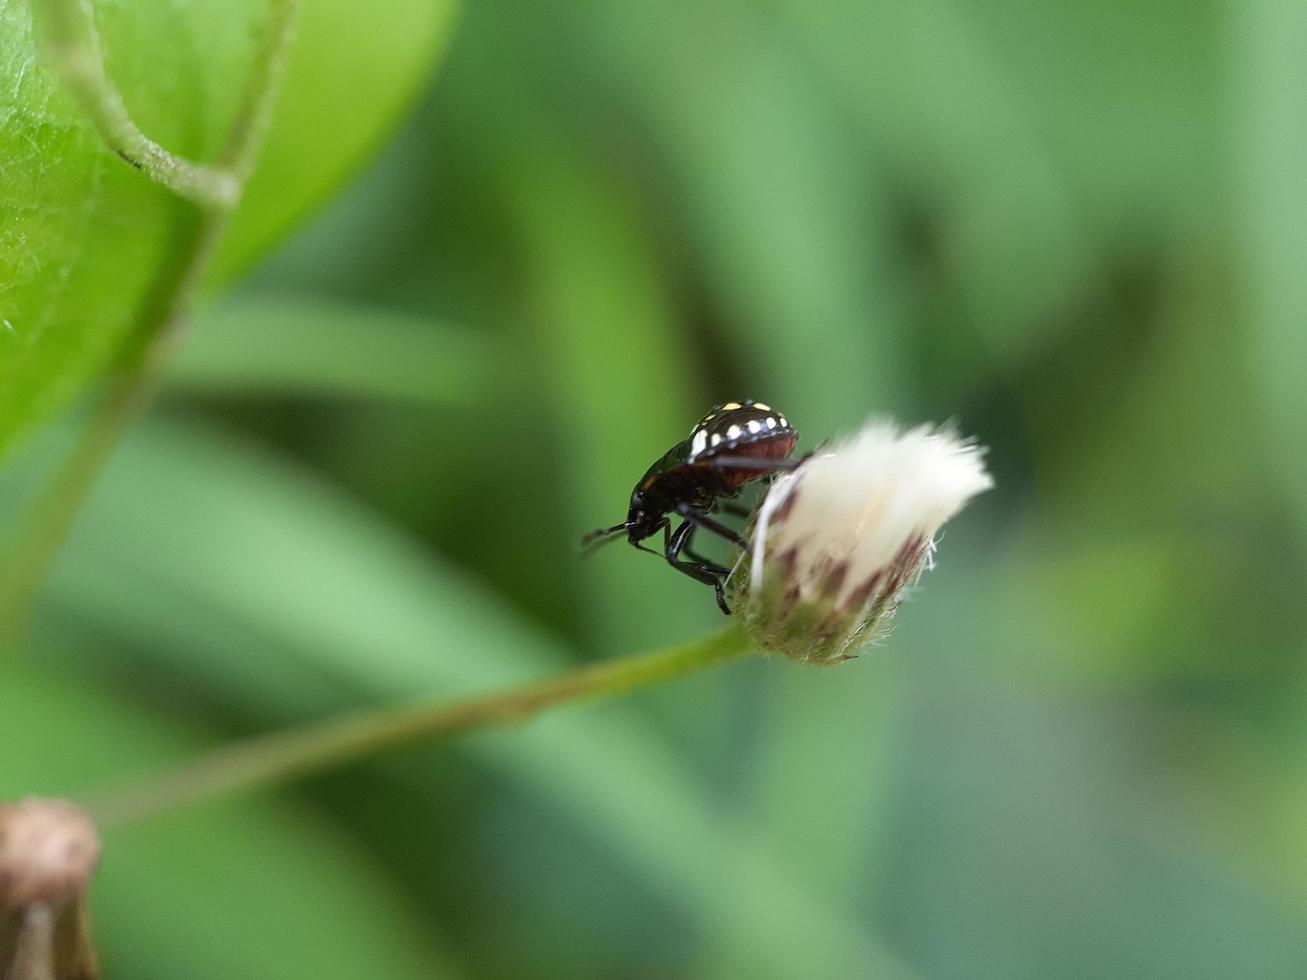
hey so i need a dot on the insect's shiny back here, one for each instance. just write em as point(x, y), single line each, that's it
point(732, 428)
point(733, 432)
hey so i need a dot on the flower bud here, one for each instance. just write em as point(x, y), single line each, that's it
point(48, 852)
point(837, 542)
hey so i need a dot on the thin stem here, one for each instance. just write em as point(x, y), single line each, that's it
point(293, 754)
point(74, 947)
point(47, 524)
point(255, 113)
point(28, 954)
point(74, 45)
point(72, 39)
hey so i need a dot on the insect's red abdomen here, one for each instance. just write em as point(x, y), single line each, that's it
point(774, 447)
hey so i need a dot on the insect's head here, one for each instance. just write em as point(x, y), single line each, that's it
point(643, 520)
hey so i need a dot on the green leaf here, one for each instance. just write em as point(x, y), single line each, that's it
point(89, 247)
point(245, 889)
point(353, 71)
point(284, 345)
point(1270, 43)
point(764, 169)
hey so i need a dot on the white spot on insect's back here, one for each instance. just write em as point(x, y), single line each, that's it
point(784, 423)
point(716, 438)
point(700, 442)
point(755, 426)
point(771, 422)
point(733, 432)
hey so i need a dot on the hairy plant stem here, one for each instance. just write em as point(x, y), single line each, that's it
point(293, 754)
point(70, 39)
point(27, 942)
point(216, 190)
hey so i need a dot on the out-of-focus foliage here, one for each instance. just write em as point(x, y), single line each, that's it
point(90, 247)
point(1075, 228)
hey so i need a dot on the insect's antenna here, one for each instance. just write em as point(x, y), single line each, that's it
point(595, 540)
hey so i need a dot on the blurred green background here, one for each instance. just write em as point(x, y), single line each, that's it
point(1077, 229)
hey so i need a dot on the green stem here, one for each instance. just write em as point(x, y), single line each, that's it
point(27, 942)
point(75, 47)
point(293, 754)
point(255, 113)
point(73, 44)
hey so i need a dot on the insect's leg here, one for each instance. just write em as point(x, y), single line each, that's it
point(705, 562)
point(708, 563)
point(674, 543)
point(677, 542)
point(708, 524)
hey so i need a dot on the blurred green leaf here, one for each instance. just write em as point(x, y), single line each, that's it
point(247, 889)
point(618, 392)
point(353, 70)
point(1269, 51)
point(597, 312)
point(1012, 781)
point(764, 173)
point(934, 91)
point(89, 246)
point(286, 345)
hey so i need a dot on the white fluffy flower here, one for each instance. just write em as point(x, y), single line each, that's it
point(837, 541)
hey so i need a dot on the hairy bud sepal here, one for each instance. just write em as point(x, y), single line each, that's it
point(836, 544)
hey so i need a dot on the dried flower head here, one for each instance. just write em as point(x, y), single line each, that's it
point(837, 542)
point(48, 852)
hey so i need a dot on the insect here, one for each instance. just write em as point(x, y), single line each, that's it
point(734, 444)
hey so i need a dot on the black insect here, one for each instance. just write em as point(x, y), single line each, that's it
point(732, 445)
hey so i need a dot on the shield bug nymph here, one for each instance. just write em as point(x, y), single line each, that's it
point(733, 445)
